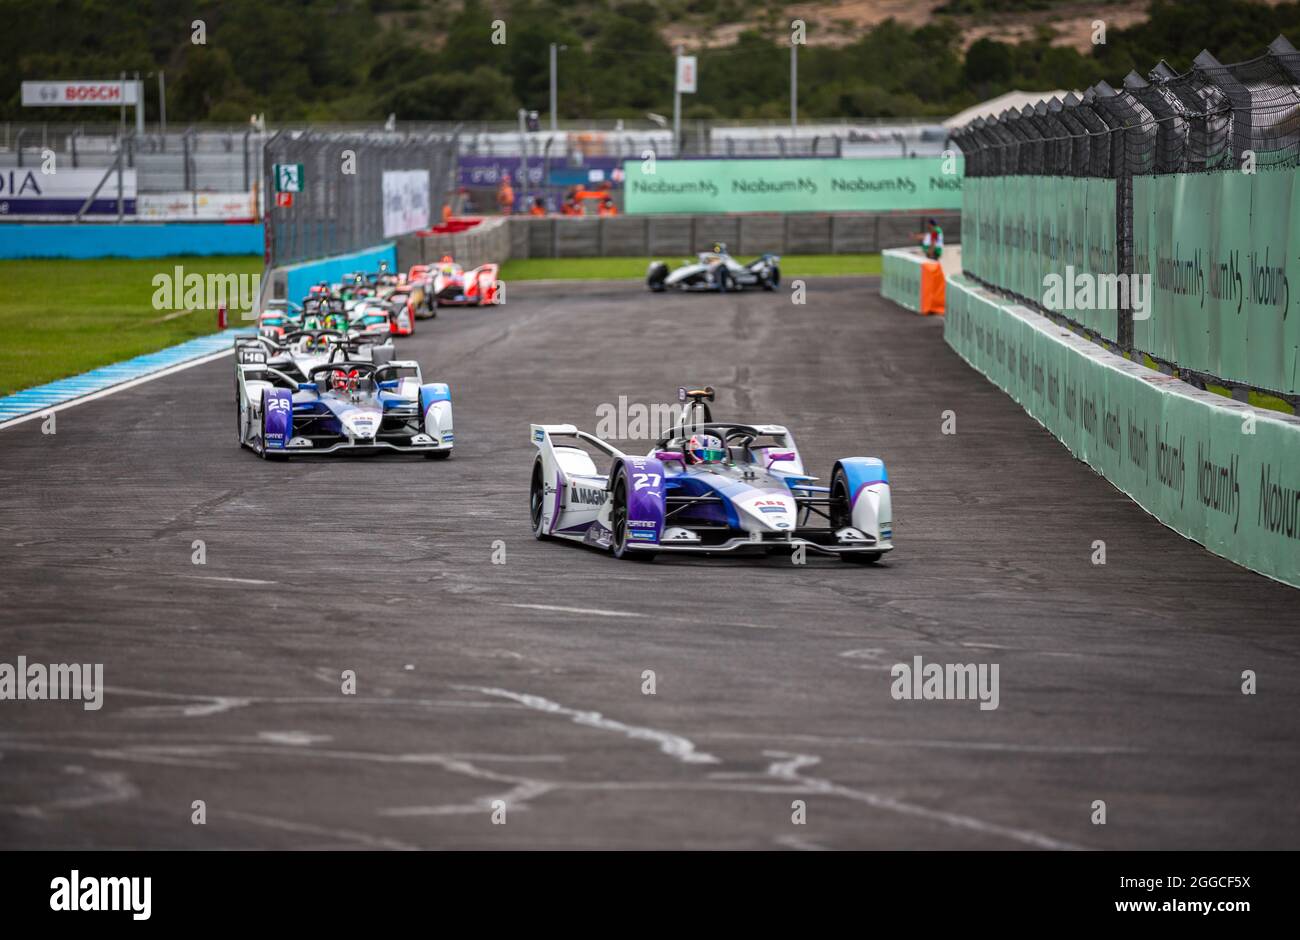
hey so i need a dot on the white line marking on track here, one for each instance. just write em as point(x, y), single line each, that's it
point(347, 835)
point(579, 610)
point(114, 389)
point(674, 745)
point(208, 577)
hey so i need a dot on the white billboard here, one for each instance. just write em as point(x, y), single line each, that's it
point(79, 94)
point(28, 191)
point(189, 207)
point(406, 201)
point(686, 74)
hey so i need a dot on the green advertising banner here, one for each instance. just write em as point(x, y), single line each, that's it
point(1019, 231)
point(1219, 250)
point(1215, 470)
point(1213, 253)
point(826, 185)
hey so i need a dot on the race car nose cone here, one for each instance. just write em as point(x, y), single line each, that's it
point(363, 425)
point(769, 512)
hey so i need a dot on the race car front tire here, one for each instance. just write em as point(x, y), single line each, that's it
point(842, 515)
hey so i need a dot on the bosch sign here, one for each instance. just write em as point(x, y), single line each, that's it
point(79, 94)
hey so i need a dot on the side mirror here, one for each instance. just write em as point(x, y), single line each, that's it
point(668, 456)
point(308, 387)
point(777, 456)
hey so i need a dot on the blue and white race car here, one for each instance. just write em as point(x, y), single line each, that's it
point(706, 487)
point(344, 404)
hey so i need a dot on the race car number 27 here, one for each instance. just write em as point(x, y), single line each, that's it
point(641, 481)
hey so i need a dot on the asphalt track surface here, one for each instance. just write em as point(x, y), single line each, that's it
point(522, 681)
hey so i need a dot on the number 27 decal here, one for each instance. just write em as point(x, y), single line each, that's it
point(641, 481)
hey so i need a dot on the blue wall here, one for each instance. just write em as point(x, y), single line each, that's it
point(300, 277)
point(129, 240)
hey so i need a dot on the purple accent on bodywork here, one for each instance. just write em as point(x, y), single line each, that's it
point(277, 419)
point(861, 487)
point(646, 503)
point(559, 493)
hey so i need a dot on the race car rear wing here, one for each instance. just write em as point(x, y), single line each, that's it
point(541, 435)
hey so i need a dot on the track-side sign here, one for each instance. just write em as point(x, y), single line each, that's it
point(79, 94)
point(289, 177)
point(806, 185)
point(686, 74)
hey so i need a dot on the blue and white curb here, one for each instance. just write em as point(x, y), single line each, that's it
point(63, 393)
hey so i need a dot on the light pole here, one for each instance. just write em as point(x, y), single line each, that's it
point(677, 101)
point(794, 85)
point(139, 106)
point(555, 49)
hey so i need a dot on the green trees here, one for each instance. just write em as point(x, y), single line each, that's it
point(323, 60)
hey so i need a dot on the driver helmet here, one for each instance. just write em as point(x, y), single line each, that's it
point(705, 448)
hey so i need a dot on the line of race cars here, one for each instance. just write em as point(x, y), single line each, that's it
point(322, 376)
point(326, 379)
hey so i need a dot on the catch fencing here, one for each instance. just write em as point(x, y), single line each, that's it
point(356, 189)
point(1185, 183)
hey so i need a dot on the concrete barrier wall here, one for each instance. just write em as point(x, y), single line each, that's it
point(129, 240)
point(1215, 470)
point(294, 281)
point(900, 277)
point(744, 234)
point(489, 241)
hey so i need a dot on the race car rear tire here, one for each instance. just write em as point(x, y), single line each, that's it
point(772, 278)
point(656, 276)
point(537, 501)
point(618, 522)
